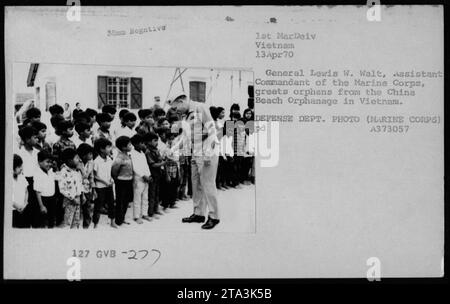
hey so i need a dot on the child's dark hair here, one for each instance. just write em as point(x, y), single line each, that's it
point(39, 125)
point(148, 137)
point(27, 132)
point(129, 117)
point(55, 110)
point(214, 113)
point(63, 126)
point(67, 155)
point(55, 120)
point(159, 112)
point(85, 149)
point(91, 112)
point(81, 117)
point(142, 113)
point(137, 139)
point(172, 134)
point(26, 122)
point(162, 131)
point(245, 112)
point(81, 127)
point(109, 109)
point(235, 115)
point(103, 117)
point(17, 161)
point(122, 113)
point(162, 120)
point(33, 113)
point(173, 118)
point(122, 142)
point(101, 143)
point(43, 155)
point(235, 107)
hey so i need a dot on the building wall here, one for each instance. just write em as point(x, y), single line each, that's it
point(78, 83)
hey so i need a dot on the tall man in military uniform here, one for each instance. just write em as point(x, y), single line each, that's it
point(200, 129)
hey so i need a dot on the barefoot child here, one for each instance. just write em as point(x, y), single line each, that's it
point(44, 186)
point(141, 179)
point(86, 152)
point(70, 186)
point(122, 173)
point(103, 180)
point(155, 163)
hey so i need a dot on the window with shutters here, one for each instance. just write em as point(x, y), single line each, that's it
point(197, 91)
point(117, 92)
point(120, 92)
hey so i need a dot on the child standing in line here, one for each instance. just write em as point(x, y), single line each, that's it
point(117, 124)
point(249, 156)
point(127, 127)
point(172, 173)
point(28, 154)
point(163, 151)
point(86, 153)
point(21, 214)
point(185, 189)
point(238, 148)
point(84, 134)
point(163, 123)
point(64, 130)
point(44, 186)
point(122, 173)
point(70, 186)
point(141, 179)
point(147, 122)
point(155, 163)
point(33, 115)
point(158, 113)
point(52, 137)
point(104, 124)
point(103, 180)
point(42, 144)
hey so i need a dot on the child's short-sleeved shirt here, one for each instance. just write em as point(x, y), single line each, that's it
point(88, 177)
point(140, 166)
point(102, 169)
point(70, 182)
point(19, 191)
point(30, 162)
point(63, 144)
point(44, 182)
point(153, 157)
point(122, 167)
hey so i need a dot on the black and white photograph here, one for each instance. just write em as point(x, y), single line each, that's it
point(224, 142)
point(115, 147)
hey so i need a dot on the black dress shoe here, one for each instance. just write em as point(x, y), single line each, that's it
point(194, 218)
point(210, 224)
